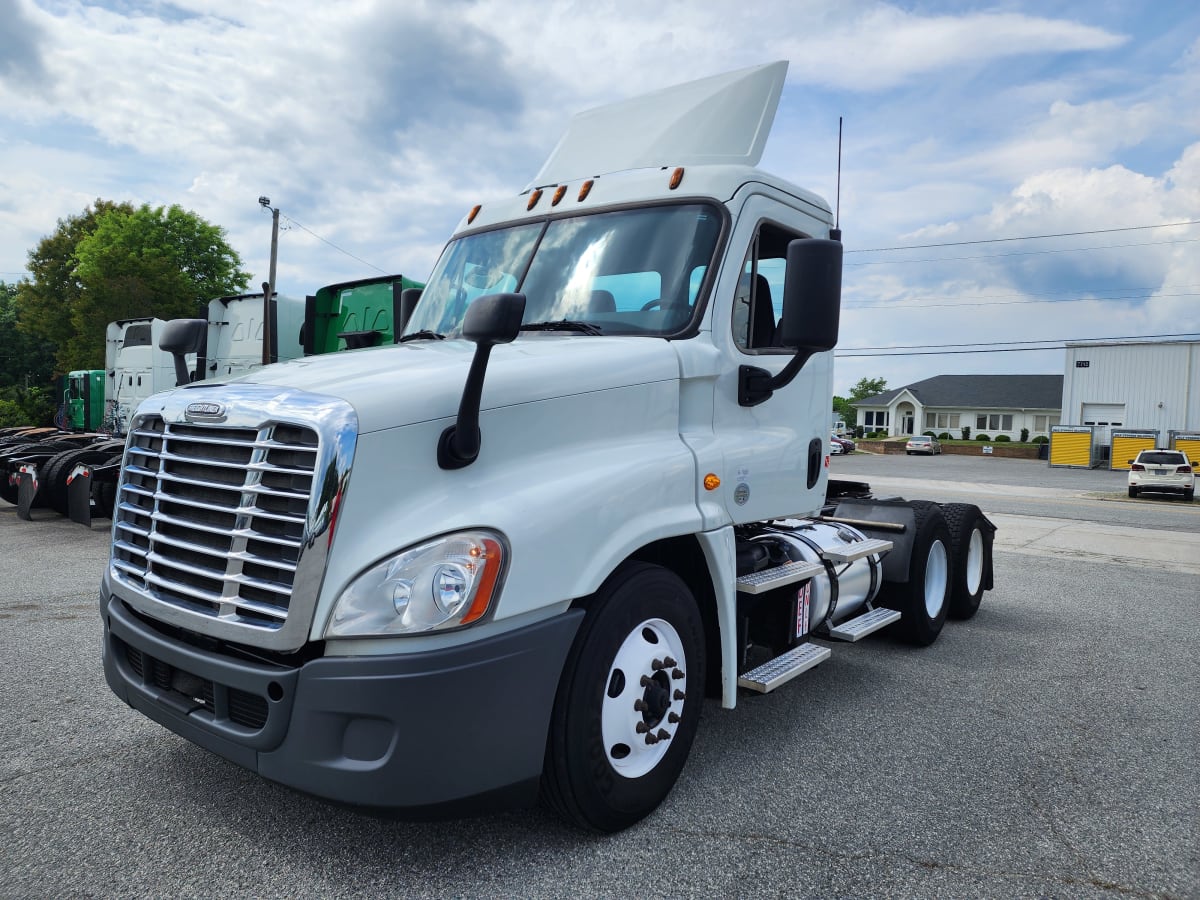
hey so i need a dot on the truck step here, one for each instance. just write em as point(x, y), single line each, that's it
point(769, 579)
point(857, 550)
point(783, 668)
point(867, 623)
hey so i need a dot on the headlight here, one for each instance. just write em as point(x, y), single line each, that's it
point(444, 583)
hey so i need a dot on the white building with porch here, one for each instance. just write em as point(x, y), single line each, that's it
point(986, 404)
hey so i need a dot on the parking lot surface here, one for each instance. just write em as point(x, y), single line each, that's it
point(1045, 748)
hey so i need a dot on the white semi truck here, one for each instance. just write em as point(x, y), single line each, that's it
point(511, 555)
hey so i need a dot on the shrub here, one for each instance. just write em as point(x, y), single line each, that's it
point(1024, 435)
point(1041, 439)
point(966, 432)
point(945, 436)
point(929, 434)
point(982, 437)
point(1002, 439)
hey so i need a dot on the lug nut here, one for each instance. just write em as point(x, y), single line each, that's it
point(646, 681)
point(640, 705)
point(672, 718)
point(642, 728)
point(679, 695)
point(663, 734)
point(667, 661)
point(658, 664)
point(677, 674)
point(651, 739)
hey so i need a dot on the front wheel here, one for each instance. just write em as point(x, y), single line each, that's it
point(628, 702)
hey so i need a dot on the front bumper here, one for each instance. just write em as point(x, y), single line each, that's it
point(440, 732)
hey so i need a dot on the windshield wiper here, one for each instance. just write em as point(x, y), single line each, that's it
point(423, 335)
point(563, 325)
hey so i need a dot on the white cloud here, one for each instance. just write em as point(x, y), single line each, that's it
point(378, 125)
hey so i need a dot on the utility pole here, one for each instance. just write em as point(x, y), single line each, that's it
point(269, 285)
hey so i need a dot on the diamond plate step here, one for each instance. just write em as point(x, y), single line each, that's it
point(856, 550)
point(867, 623)
point(783, 668)
point(769, 579)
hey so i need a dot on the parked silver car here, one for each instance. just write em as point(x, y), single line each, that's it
point(922, 443)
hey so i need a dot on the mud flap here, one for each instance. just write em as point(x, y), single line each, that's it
point(79, 495)
point(27, 488)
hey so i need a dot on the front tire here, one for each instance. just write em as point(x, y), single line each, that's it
point(923, 600)
point(628, 702)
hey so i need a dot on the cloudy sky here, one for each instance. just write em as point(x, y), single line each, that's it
point(373, 126)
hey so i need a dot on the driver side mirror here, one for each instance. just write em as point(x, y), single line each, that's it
point(812, 295)
point(812, 300)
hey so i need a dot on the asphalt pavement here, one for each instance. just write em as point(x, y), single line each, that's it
point(1045, 748)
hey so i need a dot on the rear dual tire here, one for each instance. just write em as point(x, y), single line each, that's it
point(923, 600)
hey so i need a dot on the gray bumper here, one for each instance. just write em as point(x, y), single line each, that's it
point(440, 732)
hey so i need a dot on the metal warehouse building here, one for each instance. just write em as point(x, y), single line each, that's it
point(1133, 394)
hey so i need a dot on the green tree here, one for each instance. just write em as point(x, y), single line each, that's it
point(46, 300)
point(25, 360)
point(116, 261)
point(866, 387)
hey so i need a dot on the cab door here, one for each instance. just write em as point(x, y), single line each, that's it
point(774, 455)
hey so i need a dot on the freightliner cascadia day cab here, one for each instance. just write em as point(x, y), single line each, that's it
point(510, 556)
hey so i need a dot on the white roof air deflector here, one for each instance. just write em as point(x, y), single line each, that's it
point(723, 119)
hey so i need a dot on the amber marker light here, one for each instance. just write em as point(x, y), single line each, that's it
point(473, 213)
point(711, 482)
point(491, 556)
point(585, 189)
point(676, 178)
point(534, 198)
point(559, 192)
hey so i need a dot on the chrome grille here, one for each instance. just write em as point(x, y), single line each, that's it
point(212, 519)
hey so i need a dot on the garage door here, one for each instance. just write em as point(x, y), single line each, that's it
point(1103, 417)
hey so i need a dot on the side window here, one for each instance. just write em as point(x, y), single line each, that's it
point(758, 303)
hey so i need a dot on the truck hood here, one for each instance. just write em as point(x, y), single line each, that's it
point(422, 381)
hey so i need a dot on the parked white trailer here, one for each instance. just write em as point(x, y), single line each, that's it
point(510, 555)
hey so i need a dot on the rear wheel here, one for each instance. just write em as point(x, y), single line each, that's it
point(1133, 492)
point(971, 549)
point(1190, 494)
point(628, 702)
point(923, 600)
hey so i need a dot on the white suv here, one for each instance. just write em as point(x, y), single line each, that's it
point(1162, 470)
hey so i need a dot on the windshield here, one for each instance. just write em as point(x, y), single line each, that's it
point(636, 271)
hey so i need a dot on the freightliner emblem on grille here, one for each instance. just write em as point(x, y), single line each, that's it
point(205, 410)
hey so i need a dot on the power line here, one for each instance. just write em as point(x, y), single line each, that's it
point(1126, 337)
point(892, 262)
point(333, 245)
point(1030, 237)
point(997, 348)
point(907, 306)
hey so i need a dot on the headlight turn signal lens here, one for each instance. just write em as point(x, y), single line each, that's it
point(444, 583)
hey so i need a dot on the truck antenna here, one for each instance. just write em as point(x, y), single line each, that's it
point(836, 233)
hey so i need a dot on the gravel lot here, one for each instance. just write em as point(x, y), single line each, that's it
point(1046, 748)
